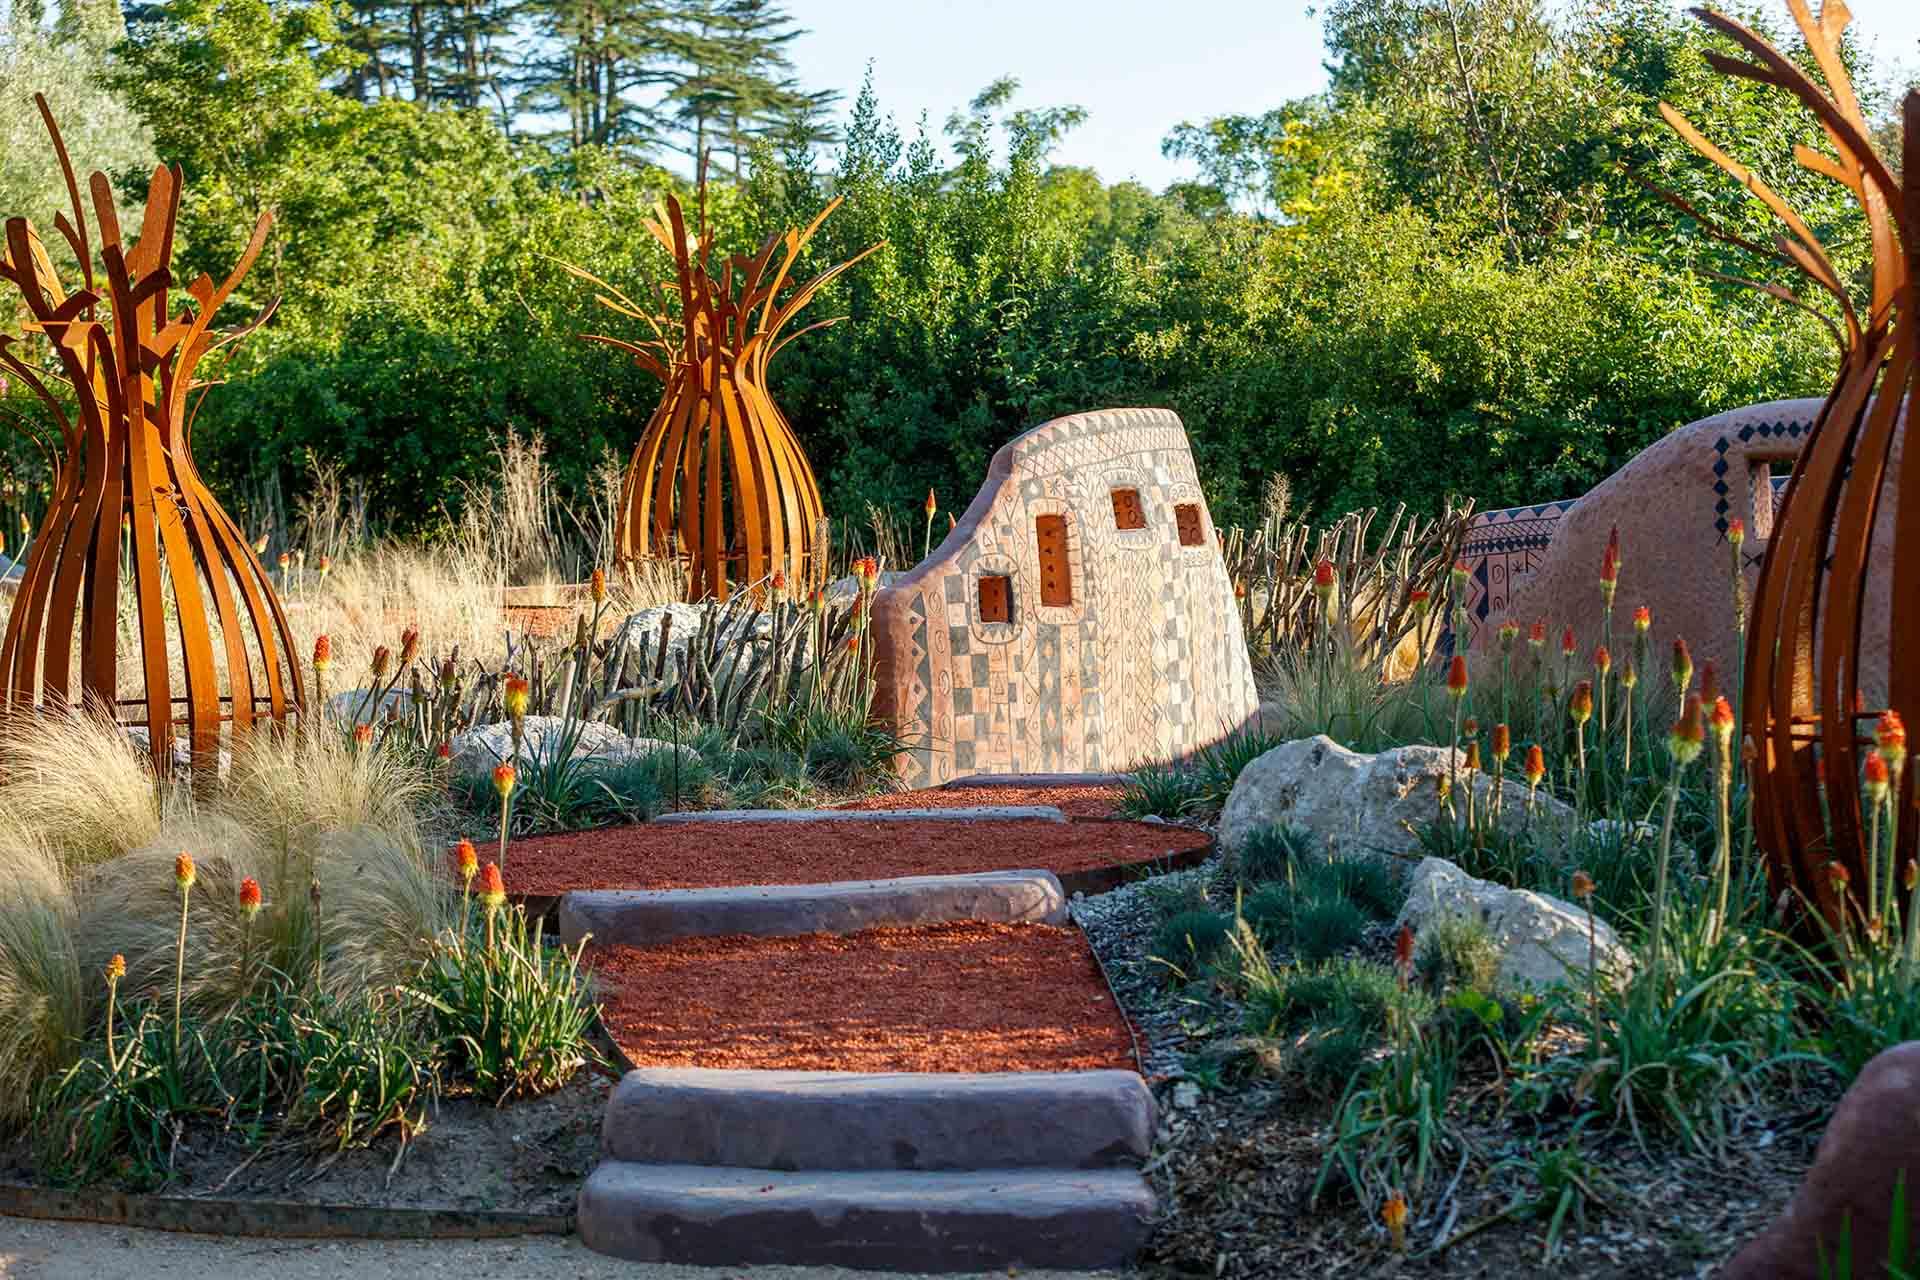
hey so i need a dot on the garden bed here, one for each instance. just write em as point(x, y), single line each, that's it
point(1076, 800)
point(952, 997)
point(1085, 855)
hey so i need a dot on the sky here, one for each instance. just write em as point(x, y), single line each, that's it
point(1138, 67)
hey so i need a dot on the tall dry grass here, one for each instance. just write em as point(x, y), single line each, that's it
point(355, 896)
point(46, 996)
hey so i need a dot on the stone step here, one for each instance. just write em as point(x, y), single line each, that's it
point(868, 1220)
point(838, 1120)
point(972, 813)
point(639, 917)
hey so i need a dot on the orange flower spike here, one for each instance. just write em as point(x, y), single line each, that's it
point(1736, 532)
point(1536, 766)
point(116, 968)
point(1682, 665)
point(466, 859)
point(1580, 707)
point(515, 697)
point(1403, 952)
point(1394, 1215)
point(779, 583)
point(1324, 582)
point(1509, 632)
point(1643, 620)
point(1890, 735)
point(1721, 721)
point(503, 779)
point(382, 661)
point(1471, 727)
point(250, 897)
point(1422, 602)
point(1582, 885)
point(1709, 682)
point(322, 653)
point(1457, 676)
point(1502, 742)
point(1537, 635)
point(932, 505)
point(1876, 776)
point(184, 872)
point(597, 586)
point(1689, 735)
point(1473, 756)
point(1838, 876)
point(493, 888)
point(1629, 675)
point(409, 647)
point(1602, 660)
point(443, 752)
point(363, 734)
point(1609, 576)
point(1568, 645)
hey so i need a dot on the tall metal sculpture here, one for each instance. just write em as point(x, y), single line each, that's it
point(718, 478)
point(123, 469)
point(1804, 708)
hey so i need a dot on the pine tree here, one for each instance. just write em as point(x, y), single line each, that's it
point(737, 86)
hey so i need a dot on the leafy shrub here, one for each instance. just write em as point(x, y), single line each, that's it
point(1324, 925)
point(1177, 893)
point(1191, 938)
point(511, 1013)
point(1270, 913)
point(1160, 791)
point(1272, 853)
point(1456, 953)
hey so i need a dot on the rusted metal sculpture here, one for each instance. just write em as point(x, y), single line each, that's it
point(123, 469)
point(1805, 709)
point(718, 478)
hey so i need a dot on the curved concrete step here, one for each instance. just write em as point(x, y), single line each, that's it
point(837, 1120)
point(639, 917)
point(867, 1220)
point(976, 813)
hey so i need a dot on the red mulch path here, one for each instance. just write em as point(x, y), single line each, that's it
point(1080, 801)
point(543, 621)
point(951, 997)
point(675, 856)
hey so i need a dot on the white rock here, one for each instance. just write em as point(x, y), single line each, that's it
point(357, 706)
point(1541, 939)
point(476, 751)
point(1364, 805)
point(748, 632)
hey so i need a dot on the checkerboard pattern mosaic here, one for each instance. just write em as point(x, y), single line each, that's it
point(1143, 660)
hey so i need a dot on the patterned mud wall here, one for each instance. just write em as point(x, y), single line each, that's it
point(1078, 617)
point(1731, 466)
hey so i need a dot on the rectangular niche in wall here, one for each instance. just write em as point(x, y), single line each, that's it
point(1056, 575)
point(1127, 512)
point(1187, 516)
point(996, 599)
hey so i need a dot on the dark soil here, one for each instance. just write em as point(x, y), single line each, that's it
point(529, 1156)
point(951, 997)
point(691, 856)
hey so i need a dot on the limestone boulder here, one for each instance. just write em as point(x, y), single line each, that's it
point(1363, 805)
point(357, 706)
point(476, 751)
point(1541, 940)
point(1872, 1139)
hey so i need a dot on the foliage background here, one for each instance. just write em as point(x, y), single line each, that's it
point(1437, 277)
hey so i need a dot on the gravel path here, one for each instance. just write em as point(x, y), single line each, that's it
point(81, 1251)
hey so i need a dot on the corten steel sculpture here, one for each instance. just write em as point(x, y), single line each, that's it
point(1804, 706)
point(718, 477)
point(123, 456)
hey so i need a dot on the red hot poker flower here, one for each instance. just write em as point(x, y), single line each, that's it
point(467, 859)
point(1537, 634)
point(493, 889)
point(1890, 735)
point(1457, 676)
point(1877, 778)
point(183, 871)
point(1568, 646)
point(1602, 660)
point(1581, 705)
point(1721, 721)
point(322, 653)
point(1642, 619)
point(1682, 665)
point(1536, 767)
point(1502, 742)
point(1689, 735)
point(250, 897)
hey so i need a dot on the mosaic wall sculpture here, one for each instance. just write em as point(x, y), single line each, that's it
point(1841, 573)
point(129, 514)
point(1672, 505)
point(718, 480)
point(1077, 618)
